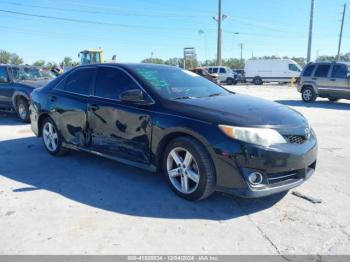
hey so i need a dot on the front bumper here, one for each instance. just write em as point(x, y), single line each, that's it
point(250, 192)
point(283, 167)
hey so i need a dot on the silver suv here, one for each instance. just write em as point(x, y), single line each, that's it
point(328, 80)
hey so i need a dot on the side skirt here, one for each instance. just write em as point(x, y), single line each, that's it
point(151, 168)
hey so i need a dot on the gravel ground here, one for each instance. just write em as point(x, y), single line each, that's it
point(82, 204)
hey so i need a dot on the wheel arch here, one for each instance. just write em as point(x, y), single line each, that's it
point(41, 119)
point(173, 134)
point(17, 95)
point(305, 85)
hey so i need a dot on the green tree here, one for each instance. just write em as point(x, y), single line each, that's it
point(67, 61)
point(39, 63)
point(153, 61)
point(15, 59)
point(4, 57)
point(233, 63)
point(175, 61)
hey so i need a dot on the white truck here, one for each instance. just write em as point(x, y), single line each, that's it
point(271, 70)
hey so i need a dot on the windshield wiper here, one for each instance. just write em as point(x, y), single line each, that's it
point(183, 97)
point(216, 94)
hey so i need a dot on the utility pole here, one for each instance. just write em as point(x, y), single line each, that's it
point(218, 60)
point(241, 45)
point(341, 32)
point(310, 32)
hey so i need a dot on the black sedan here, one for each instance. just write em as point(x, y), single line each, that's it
point(160, 118)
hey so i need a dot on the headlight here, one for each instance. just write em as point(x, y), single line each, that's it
point(259, 136)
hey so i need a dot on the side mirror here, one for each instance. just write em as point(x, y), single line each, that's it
point(132, 95)
point(348, 76)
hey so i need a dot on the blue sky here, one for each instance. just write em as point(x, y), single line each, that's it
point(133, 29)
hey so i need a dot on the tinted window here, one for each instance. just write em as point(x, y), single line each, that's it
point(308, 71)
point(339, 71)
point(79, 81)
point(215, 70)
point(111, 82)
point(3, 75)
point(322, 71)
point(210, 70)
point(222, 70)
point(293, 67)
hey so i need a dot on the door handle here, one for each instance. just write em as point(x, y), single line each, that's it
point(93, 107)
point(314, 78)
point(333, 79)
point(52, 98)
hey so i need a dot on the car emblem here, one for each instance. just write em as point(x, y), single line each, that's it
point(307, 133)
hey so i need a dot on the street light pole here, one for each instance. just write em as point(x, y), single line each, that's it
point(218, 60)
point(310, 32)
point(341, 33)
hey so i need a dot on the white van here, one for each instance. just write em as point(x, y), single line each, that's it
point(271, 70)
point(225, 74)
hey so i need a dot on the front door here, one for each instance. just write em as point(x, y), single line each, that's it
point(6, 89)
point(118, 129)
point(321, 78)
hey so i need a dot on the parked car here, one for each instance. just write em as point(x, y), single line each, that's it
point(161, 118)
point(16, 84)
point(204, 72)
point(240, 75)
point(329, 80)
point(271, 70)
point(224, 74)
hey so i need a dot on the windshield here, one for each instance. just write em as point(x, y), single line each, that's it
point(175, 83)
point(31, 73)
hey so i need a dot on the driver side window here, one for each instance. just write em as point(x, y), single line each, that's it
point(3, 75)
point(112, 82)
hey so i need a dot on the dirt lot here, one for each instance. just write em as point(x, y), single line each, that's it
point(83, 204)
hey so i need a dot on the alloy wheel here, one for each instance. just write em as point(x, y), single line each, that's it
point(22, 111)
point(50, 137)
point(183, 170)
point(307, 95)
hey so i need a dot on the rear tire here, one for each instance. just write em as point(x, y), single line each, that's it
point(257, 81)
point(22, 108)
point(52, 138)
point(308, 94)
point(189, 169)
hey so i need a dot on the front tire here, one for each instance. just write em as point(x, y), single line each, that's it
point(308, 95)
point(52, 138)
point(229, 81)
point(189, 169)
point(22, 109)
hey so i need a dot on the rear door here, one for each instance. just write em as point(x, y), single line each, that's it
point(6, 88)
point(118, 129)
point(321, 78)
point(68, 104)
point(339, 81)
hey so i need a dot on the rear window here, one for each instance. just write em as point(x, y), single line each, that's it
point(322, 71)
point(80, 81)
point(308, 71)
point(339, 71)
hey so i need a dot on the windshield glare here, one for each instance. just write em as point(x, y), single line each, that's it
point(175, 83)
point(31, 73)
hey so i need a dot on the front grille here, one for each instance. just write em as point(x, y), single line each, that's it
point(293, 139)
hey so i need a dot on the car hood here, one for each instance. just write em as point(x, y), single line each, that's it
point(239, 110)
point(33, 83)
